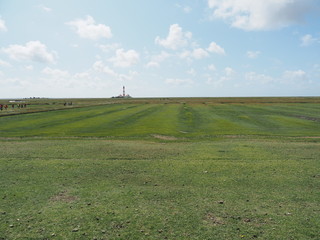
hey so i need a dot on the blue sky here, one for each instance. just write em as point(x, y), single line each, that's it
point(159, 48)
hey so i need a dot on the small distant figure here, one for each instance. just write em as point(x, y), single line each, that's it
point(12, 106)
point(1, 107)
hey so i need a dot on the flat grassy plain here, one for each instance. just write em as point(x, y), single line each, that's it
point(180, 118)
point(202, 168)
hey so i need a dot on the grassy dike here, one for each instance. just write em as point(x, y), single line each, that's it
point(174, 170)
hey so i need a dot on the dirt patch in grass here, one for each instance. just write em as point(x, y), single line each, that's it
point(214, 220)
point(315, 119)
point(63, 196)
point(163, 137)
point(307, 137)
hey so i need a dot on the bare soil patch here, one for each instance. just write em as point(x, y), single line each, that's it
point(315, 119)
point(164, 137)
point(214, 220)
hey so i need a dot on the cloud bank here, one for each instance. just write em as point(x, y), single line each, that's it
point(252, 15)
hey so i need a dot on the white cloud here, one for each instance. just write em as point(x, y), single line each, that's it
point(92, 78)
point(192, 72)
point(100, 67)
point(229, 71)
point(212, 67)
point(125, 58)
point(157, 59)
point(178, 81)
point(87, 28)
point(288, 78)
point(14, 83)
point(185, 54)
point(58, 79)
point(4, 63)
point(260, 14)
point(3, 27)
point(152, 64)
point(109, 47)
point(197, 53)
point(187, 9)
point(56, 73)
point(294, 76)
point(253, 54)
point(31, 51)
point(161, 57)
point(83, 75)
point(127, 77)
point(254, 77)
point(29, 67)
point(307, 40)
point(218, 81)
point(45, 8)
point(215, 48)
point(175, 39)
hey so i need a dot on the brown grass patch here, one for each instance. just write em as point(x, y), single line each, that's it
point(214, 220)
point(63, 196)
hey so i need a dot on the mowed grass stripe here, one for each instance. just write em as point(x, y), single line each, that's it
point(215, 120)
point(43, 119)
point(164, 121)
point(280, 120)
point(312, 110)
point(199, 120)
point(97, 126)
point(39, 123)
point(178, 120)
point(121, 124)
point(252, 119)
point(188, 118)
point(258, 119)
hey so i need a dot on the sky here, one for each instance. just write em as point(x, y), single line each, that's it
point(159, 48)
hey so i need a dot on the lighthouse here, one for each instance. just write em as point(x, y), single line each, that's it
point(123, 95)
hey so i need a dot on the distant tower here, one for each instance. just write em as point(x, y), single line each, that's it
point(124, 91)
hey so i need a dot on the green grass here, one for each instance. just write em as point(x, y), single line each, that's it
point(180, 120)
point(162, 169)
point(112, 189)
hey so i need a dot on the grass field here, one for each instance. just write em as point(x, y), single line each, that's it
point(232, 168)
point(180, 118)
